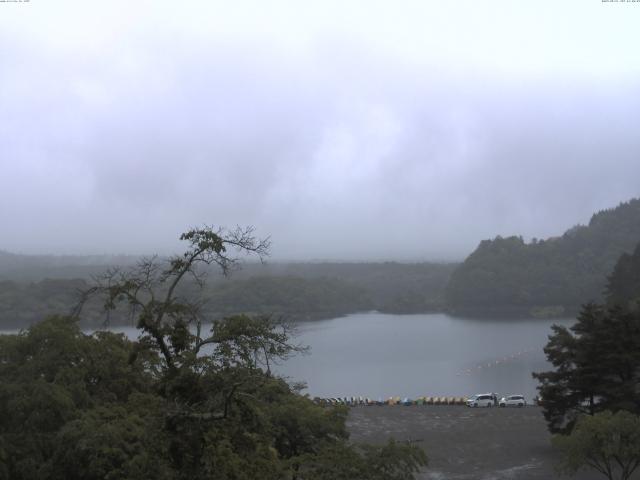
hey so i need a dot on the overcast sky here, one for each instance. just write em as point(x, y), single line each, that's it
point(345, 130)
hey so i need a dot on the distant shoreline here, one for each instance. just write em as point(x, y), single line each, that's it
point(506, 313)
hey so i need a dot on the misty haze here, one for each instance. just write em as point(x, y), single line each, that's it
point(319, 240)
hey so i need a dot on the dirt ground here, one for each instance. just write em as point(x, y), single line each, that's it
point(467, 443)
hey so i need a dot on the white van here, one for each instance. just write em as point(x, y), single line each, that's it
point(482, 400)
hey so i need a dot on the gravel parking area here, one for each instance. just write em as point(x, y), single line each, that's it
point(467, 443)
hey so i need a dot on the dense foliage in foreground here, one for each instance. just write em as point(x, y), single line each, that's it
point(596, 367)
point(597, 360)
point(180, 402)
point(77, 406)
point(591, 399)
point(606, 442)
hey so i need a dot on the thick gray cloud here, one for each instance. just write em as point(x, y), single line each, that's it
point(405, 131)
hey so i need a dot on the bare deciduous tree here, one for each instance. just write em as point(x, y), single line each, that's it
point(150, 289)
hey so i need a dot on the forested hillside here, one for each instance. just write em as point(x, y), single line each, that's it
point(545, 277)
point(623, 288)
point(390, 286)
point(35, 287)
point(33, 268)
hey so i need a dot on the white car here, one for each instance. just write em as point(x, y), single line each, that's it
point(482, 400)
point(513, 401)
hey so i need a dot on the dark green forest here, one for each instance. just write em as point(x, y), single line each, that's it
point(590, 397)
point(194, 397)
point(298, 291)
point(84, 407)
point(549, 277)
point(596, 360)
point(186, 400)
point(503, 276)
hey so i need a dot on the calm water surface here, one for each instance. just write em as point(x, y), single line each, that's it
point(381, 355)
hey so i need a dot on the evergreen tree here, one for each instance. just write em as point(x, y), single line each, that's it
point(597, 360)
point(623, 288)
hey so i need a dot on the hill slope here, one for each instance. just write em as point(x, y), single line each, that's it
point(546, 277)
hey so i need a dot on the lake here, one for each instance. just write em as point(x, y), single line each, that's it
point(382, 355)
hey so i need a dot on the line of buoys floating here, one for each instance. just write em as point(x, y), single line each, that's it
point(366, 401)
point(494, 363)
